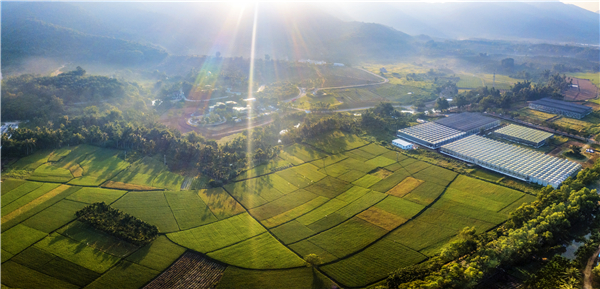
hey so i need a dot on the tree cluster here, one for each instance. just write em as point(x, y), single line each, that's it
point(117, 223)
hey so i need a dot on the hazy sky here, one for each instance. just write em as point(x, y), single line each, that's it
point(589, 5)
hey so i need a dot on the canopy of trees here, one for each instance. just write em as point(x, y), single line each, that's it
point(114, 222)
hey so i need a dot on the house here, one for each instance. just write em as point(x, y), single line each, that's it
point(338, 64)
point(383, 70)
point(402, 144)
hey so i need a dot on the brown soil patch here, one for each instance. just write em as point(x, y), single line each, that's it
point(405, 187)
point(586, 90)
point(382, 173)
point(129, 187)
point(381, 218)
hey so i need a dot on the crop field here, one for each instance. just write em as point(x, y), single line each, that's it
point(190, 271)
point(593, 77)
point(50, 173)
point(527, 114)
point(469, 81)
point(572, 123)
point(363, 208)
point(403, 94)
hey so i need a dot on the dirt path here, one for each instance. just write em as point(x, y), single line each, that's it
point(587, 273)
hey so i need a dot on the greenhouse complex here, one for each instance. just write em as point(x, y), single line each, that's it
point(518, 162)
point(524, 135)
point(567, 109)
point(431, 135)
point(469, 122)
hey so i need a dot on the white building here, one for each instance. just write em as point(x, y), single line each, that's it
point(338, 64)
point(402, 144)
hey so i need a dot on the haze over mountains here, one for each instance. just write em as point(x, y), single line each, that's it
point(130, 33)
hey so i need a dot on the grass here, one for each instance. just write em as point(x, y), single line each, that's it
point(469, 210)
point(157, 255)
point(367, 200)
point(27, 198)
point(454, 221)
point(436, 175)
point(50, 173)
point(374, 149)
point(218, 235)
point(260, 252)
point(382, 173)
point(337, 142)
point(302, 152)
point(299, 278)
point(516, 204)
point(18, 238)
point(354, 164)
point(400, 207)
point(295, 212)
point(141, 172)
point(189, 209)
point(572, 123)
point(44, 262)
point(380, 161)
point(99, 167)
point(329, 187)
point(168, 180)
point(19, 276)
point(348, 237)
point(11, 195)
point(310, 171)
point(321, 212)
point(267, 168)
point(98, 240)
point(32, 161)
point(305, 247)
point(485, 189)
point(367, 181)
point(39, 203)
point(336, 170)
point(372, 264)
point(151, 207)
point(381, 218)
point(469, 81)
point(291, 232)
point(221, 204)
point(128, 187)
point(405, 187)
point(425, 194)
point(487, 174)
point(256, 192)
point(282, 204)
point(294, 177)
point(60, 153)
point(351, 175)
point(8, 185)
point(55, 216)
point(530, 114)
point(390, 181)
point(72, 159)
point(415, 167)
point(93, 195)
point(77, 253)
point(329, 160)
point(418, 235)
point(125, 275)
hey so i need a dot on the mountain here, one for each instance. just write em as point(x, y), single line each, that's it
point(292, 31)
point(537, 21)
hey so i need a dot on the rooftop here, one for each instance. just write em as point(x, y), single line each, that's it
point(431, 132)
point(518, 160)
point(524, 133)
point(466, 121)
point(401, 142)
point(563, 105)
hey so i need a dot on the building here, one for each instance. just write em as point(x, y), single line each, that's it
point(518, 162)
point(402, 144)
point(524, 135)
point(431, 134)
point(383, 70)
point(469, 122)
point(338, 64)
point(567, 109)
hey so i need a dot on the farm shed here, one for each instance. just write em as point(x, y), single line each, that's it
point(567, 109)
point(431, 135)
point(527, 136)
point(469, 122)
point(517, 162)
point(402, 144)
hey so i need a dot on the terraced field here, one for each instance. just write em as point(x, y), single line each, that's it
point(364, 209)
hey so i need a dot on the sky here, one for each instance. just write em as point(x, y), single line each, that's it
point(593, 6)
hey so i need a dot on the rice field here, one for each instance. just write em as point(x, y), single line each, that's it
point(361, 207)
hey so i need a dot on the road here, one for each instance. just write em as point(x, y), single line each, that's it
point(587, 273)
point(303, 90)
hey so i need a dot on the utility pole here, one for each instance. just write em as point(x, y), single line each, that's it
point(165, 159)
point(494, 80)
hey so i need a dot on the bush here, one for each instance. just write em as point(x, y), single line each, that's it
point(215, 183)
point(116, 223)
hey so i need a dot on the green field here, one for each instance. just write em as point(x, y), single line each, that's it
point(364, 209)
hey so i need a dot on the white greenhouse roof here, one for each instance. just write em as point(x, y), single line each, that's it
point(524, 133)
point(401, 142)
point(515, 160)
point(431, 132)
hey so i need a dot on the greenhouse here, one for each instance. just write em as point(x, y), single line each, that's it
point(518, 162)
point(524, 135)
point(567, 109)
point(469, 122)
point(431, 135)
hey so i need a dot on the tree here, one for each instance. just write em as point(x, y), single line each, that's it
point(442, 103)
point(218, 54)
point(267, 57)
point(508, 63)
point(312, 260)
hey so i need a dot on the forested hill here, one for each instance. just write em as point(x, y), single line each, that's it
point(27, 96)
point(23, 38)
